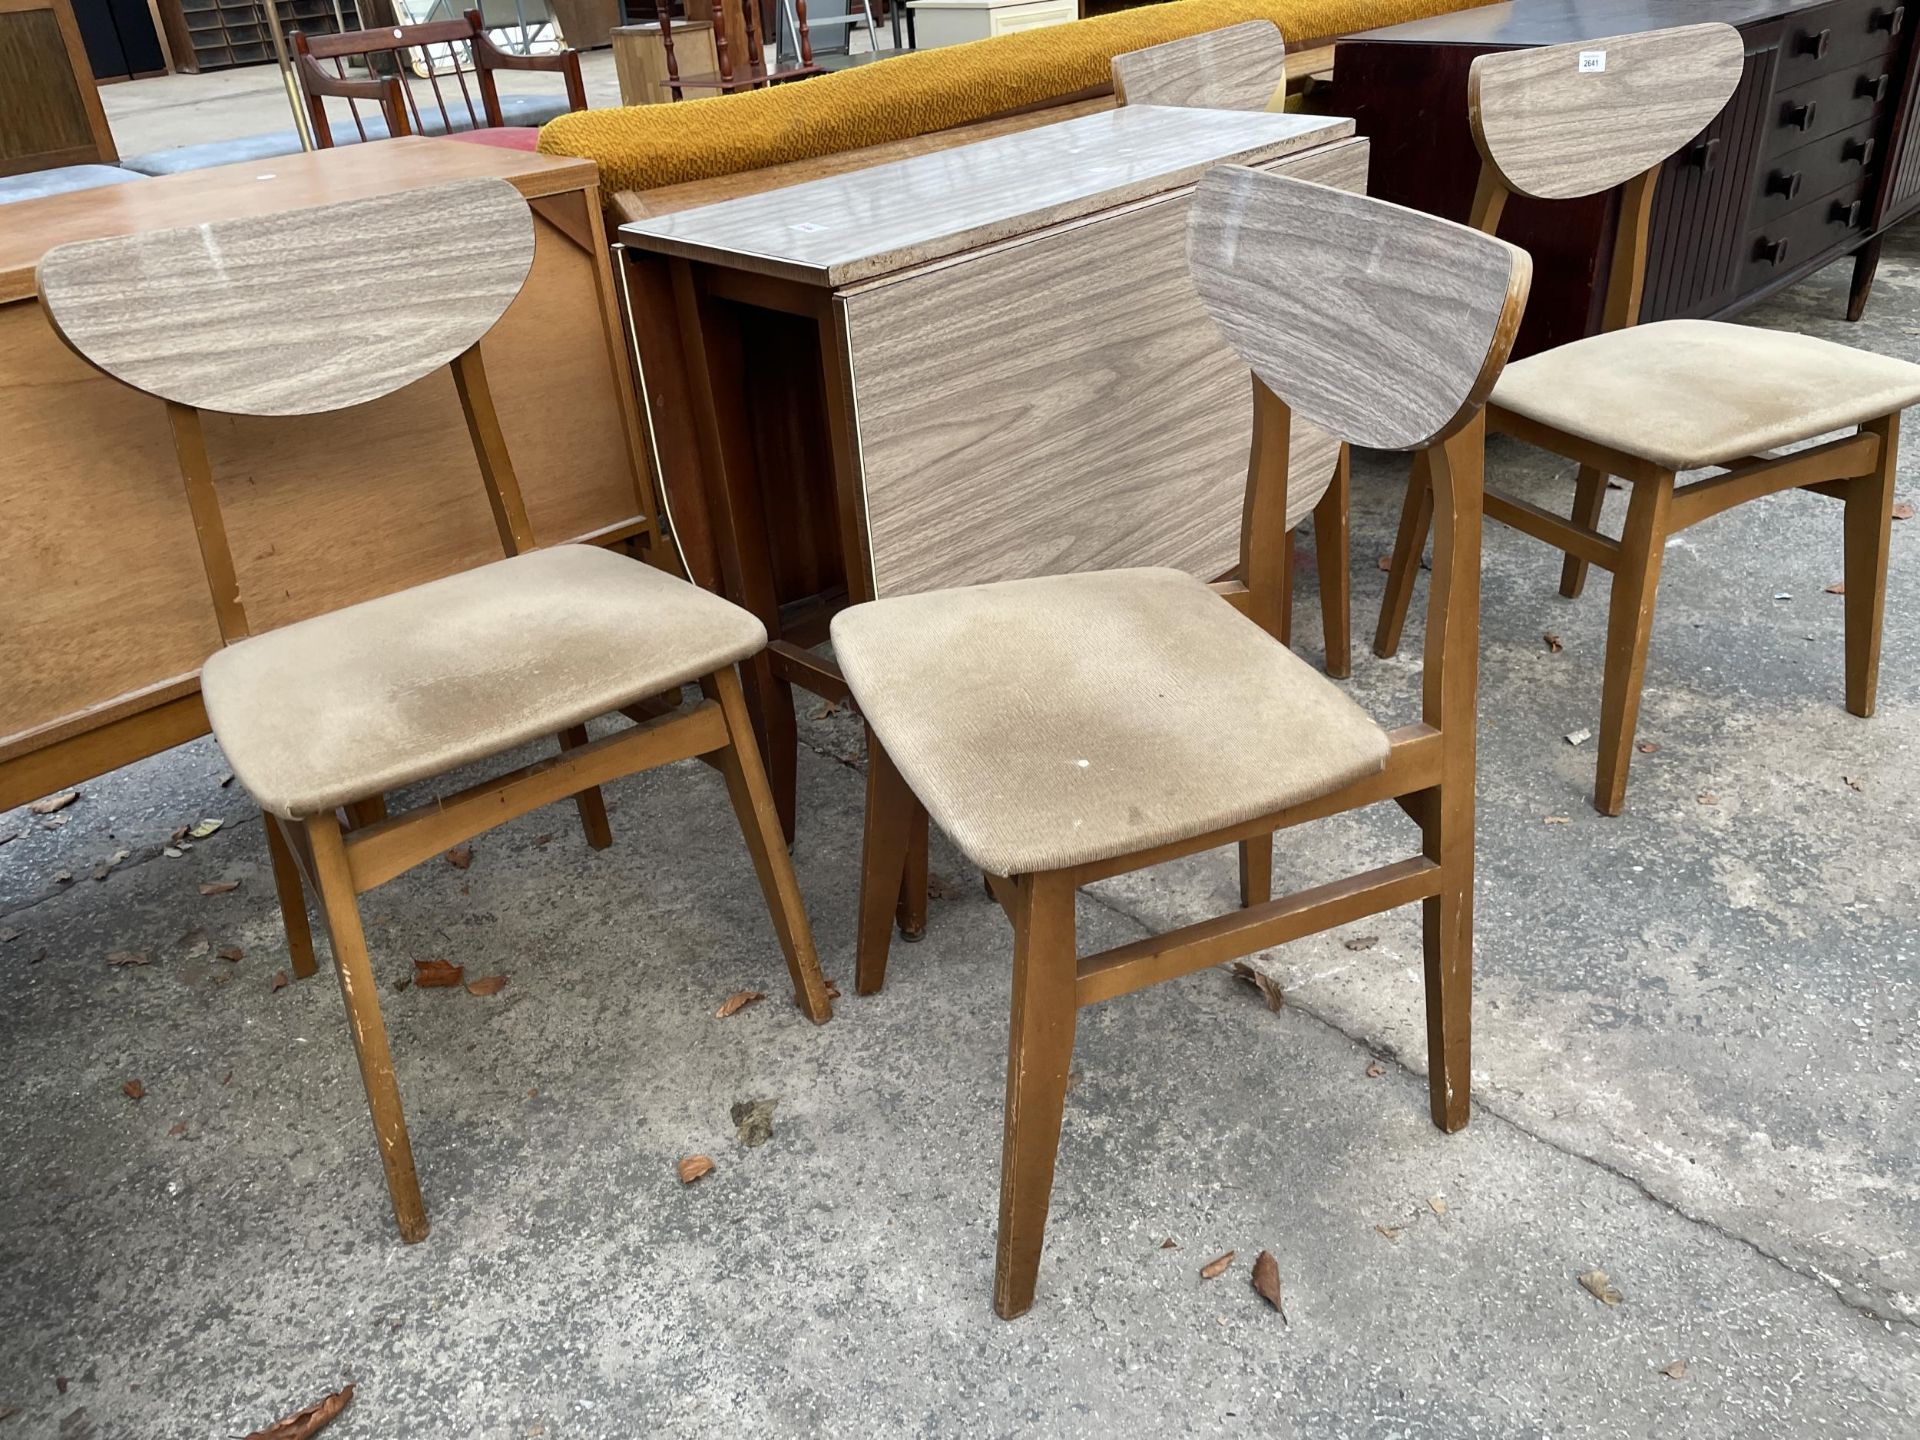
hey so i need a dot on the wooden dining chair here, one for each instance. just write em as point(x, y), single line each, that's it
point(1244, 67)
point(315, 311)
point(734, 73)
point(1067, 729)
point(1648, 402)
point(454, 51)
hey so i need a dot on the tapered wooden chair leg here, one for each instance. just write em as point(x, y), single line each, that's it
point(760, 825)
point(1869, 527)
point(293, 898)
point(1039, 1058)
point(1589, 495)
point(1446, 934)
point(591, 804)
point(912, 913)
point(1256, 871)
point(1629, 632)
point(883, 864)
point(1416, 518)
point(341, 905)
point(1332, 558)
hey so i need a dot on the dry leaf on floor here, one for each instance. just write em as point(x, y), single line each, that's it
point(1266, 1281)
point(540, 842)
point(308, 1422)
point(280, 980)
point(133, 1090)
point(1362, 942)
point(54, 802)
point(1389, 1232)
point(1556, 820)
point(1579, 737)
point(219, 887)
point(1214, 1269)
point(1167, 1244)
point(1553, 642)
point(1676, 1371)
point(753, 1121)
point(60, 1383)
point(1596, 1284)
point(1707, 797)
point(1903, 509)
point(63, 877)
point(833, 990)
point(460, 856)
point(205, 828)
point(1375, 1070)
point(693, 1167)
point(828, 707)
point(487, 985)
point(231, 953)
point(1386, 562)
point(1854, 782)
point(1438, 1203)
point(1839, 587)
point(1268, 987)
point(437, 974)
point(737, 1002)
point(126, 957)
point(1648, 747)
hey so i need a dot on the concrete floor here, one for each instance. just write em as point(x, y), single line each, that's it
point(1698, 1039)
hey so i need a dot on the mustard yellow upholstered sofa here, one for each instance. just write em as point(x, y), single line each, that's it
point(641, 147)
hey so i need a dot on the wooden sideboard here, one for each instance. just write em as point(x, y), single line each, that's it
point(109, 613)
point(1813, 158)
point(966, 365)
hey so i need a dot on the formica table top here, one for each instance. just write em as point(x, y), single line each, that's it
point(844, 228)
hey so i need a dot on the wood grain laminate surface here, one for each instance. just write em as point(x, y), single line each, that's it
point(299, 313)
point(1399, 321)
point(1009, 432)
point(262, 187)
point(846, 228)
point(1562, 121)
point(1239, 67)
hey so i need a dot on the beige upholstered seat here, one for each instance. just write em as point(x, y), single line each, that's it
point(1691, 393)
point(1047, 723)
point(409, 686)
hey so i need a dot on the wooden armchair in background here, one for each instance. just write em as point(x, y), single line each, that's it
point(462, 45)
point(736, 27)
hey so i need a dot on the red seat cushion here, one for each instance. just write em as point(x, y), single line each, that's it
point(506, 137)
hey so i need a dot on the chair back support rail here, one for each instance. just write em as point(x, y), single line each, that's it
point(463, 42)
point(754, 75)
point(391, 289)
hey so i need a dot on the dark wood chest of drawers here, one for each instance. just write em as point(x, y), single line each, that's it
point(1811, 160)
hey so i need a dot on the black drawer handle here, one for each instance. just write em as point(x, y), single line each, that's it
point(1845, 213)
point(1774, 252)
point(1870, 86)
point(1858, 149)
point(1705, 154)
point(1814, 44)
point(1784, 182)
point(1888, 20)
point(1799, 117)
